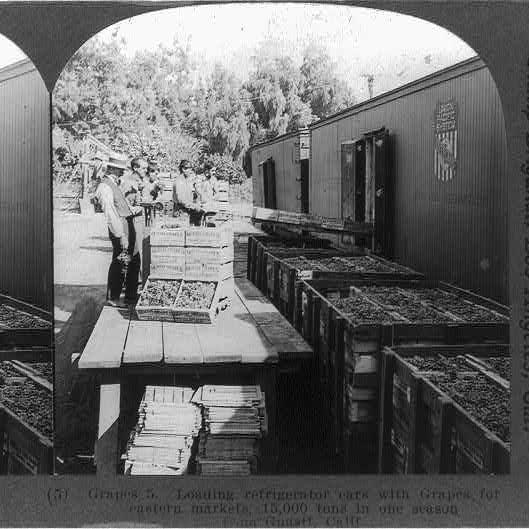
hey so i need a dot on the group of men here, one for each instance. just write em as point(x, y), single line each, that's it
point(192, 193)
point(121, 193)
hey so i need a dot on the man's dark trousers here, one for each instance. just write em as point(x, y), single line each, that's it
point(116, 272)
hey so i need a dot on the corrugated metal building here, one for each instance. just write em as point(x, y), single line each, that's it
point(446, 167)
point(26, 257)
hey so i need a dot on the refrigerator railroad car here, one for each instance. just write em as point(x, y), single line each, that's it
point(426, 163)
point(25, 186)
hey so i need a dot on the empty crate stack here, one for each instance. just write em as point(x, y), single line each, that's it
point(234, 422)
point(162, 441)
point(222, 205)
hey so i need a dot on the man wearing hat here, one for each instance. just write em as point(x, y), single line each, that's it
point(119, 214)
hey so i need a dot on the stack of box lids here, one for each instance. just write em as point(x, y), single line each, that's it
point(162, 440)
point(234, 422)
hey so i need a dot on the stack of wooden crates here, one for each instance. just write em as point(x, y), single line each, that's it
point(195, 254)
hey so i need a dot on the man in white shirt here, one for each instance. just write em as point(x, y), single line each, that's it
point(119, 215)
point(186, 195)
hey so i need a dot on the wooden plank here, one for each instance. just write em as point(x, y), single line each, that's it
point(105, 346)
point(144, 343)
point(247, 289)
point(27, 354)
point(181, 344)
point(235, 338)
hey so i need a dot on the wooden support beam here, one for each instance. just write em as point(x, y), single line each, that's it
point(107, 445)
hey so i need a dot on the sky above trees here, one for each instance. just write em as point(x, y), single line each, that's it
point(394, 48)
point(213, 80)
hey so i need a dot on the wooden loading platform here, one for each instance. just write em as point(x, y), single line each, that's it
point(251, 342)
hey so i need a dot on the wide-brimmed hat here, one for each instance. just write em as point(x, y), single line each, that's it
point(117, 162)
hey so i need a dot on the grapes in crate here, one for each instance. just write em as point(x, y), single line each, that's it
point(159, 293)
point(361, 311)
point(196, 295)
point(13, 318)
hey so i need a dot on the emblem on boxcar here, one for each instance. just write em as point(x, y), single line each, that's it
point(445, 152)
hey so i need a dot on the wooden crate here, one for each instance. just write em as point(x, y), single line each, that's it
point(367, 340)
point(209, 255)
point(263, 243)
point(455, 331)
point(27, 448)
point(168, 236)
point(197, 271)
point(290, 278)
point(11, 337)
point(440, 437)
point(188, 315)
point(276, 283)
point(168, 261)
point(209, 237)
point(156, 313)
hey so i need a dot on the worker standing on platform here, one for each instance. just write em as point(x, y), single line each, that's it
point(208, 186)
point(186, 195)
point(119, 214)
point(139, 172)
point(152, 184)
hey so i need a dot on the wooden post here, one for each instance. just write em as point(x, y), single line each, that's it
point(107, 445)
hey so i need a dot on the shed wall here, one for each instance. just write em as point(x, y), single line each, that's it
point(454, 230)
point(26, 252)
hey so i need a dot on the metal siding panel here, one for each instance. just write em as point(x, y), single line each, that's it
point(443, 229)
point(25, 188)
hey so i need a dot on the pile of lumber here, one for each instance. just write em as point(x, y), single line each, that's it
point(234, 422)
point(162, 441)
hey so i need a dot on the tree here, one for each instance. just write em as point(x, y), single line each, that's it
point(275, 90)
point(321, 88)
point(220, 113)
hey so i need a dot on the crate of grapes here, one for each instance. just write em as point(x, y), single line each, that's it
point(276, 282)
point(157, 299)
point(258, 246)
point(28, 450)
point(454, 408)
point(197, 302)
point(419, 310)
point(26, 415)
point(23, 325)
point(366, 315)
point(340, 267)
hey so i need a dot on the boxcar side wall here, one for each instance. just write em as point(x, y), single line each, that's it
point(288, 187)
point(454, 230)
point(25, 186)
